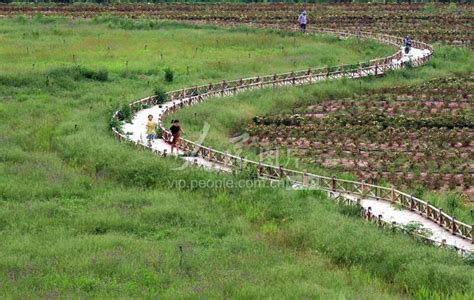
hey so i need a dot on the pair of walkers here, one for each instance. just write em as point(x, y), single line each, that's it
point(175, 129)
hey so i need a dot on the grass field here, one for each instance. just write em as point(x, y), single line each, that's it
point(84, 216)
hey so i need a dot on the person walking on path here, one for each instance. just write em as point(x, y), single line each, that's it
point(176, 132)
point(303, 20)
point(150, 130)
point(407, 43)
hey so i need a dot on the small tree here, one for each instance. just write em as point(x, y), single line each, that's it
point(125, 113)
point(160, 95)
point(169, 75)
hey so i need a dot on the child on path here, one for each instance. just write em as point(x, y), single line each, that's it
point(150, 130)
point(176, 132)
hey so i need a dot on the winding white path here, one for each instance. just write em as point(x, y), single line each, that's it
point(135, 131)
point(402, 216)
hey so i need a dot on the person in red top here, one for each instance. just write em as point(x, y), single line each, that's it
point(176, 132)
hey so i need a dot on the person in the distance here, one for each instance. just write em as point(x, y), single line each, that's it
point(303, 20)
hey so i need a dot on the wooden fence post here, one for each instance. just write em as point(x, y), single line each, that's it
point(362, 188)
point(223, 87)
point(412, 203)
point(305, 178)
point(333, 183)
point(392, 194)
point(472, 234)
point(453, 225)
point(280, 171)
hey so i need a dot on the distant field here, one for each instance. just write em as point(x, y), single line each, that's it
point(83, 216)
point(450, 23)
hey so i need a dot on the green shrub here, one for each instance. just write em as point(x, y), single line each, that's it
point(125, 113)
point(159, 132)
point(417, 228)
point(114, 123)
point(248, 173)
point(470, 259)
point(453, 202)
point(349, 210)
point(409, 64)
point(169, 75)
point(160, 95)
point(78, 73)
point(101, 75)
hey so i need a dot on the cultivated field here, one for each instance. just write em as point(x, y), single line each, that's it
point(445, 23)
point(407, 135)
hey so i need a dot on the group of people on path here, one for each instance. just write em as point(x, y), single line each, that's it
point(176, 131)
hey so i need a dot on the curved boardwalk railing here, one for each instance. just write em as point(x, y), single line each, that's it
point(336, 187)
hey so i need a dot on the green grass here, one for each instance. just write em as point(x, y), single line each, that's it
point(83, 216)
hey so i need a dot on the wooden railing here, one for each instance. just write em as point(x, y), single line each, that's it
point(374, 67)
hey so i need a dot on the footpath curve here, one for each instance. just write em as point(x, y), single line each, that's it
point(374, 201)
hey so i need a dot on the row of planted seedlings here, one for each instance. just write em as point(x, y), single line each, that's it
point(372, 144)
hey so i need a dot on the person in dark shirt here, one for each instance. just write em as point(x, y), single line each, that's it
point(176, 132)
point(407, 43)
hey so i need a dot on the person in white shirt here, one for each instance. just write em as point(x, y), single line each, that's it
point(303, 20)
